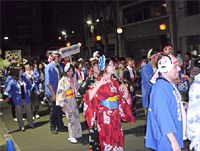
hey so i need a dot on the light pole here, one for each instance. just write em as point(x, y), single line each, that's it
point(91, 26)
point(118, 50)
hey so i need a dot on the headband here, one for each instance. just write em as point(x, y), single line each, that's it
point(67, 66)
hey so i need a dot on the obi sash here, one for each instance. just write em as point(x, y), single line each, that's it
point(111, 102)
point(70, 94)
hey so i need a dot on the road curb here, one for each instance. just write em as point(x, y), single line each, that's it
point(3, 133)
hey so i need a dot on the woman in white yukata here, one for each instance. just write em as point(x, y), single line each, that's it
point(66, 98)
point(193, 111)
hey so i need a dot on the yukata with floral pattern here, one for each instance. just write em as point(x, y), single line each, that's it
point(93, 136)
point(108, 120)
point(193, 114)
point(65, 97)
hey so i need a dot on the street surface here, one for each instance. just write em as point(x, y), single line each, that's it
point(41, 139)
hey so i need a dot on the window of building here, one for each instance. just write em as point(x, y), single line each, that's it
point(144, 10)
point(137, 13)
point(147, 9)
point(193, 7)
point(127, 16)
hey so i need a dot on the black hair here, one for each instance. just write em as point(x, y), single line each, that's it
point(71, 67)
point(197, 63)
point(14, 72)
point(106, 64)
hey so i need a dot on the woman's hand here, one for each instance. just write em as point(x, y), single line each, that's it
point(103, 81)
point(124, 89)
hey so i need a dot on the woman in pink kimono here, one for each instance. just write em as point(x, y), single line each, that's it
point(65, 97)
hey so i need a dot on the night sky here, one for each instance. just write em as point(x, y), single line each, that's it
point(38, 24)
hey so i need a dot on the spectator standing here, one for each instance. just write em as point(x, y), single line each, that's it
point(19, 89)
point(53, 73)
point(8, 79)
point(129, 78)
point(41, 83)
point(147, 73)
point(88, 83)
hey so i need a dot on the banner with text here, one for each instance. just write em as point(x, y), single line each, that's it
point(68, 51)
point(49, 52)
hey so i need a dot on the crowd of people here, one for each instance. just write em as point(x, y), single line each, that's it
point(104, 89)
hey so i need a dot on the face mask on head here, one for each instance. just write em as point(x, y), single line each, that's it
point(166, 63)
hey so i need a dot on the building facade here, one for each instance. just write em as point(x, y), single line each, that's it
point(141, 21)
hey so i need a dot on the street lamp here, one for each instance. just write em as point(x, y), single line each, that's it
point(89, 22)
point(97, 20)
point(119, 30)
point(5, 38)
point(64, 33)
point(162, 26)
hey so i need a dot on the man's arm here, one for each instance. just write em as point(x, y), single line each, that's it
point(174, 143)
point(52, 92)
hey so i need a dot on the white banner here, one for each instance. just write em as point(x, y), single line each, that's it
point(68, 51)
point(49, 52)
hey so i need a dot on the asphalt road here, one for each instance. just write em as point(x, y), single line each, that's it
point(41, 139)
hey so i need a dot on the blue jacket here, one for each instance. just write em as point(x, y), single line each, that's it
point(36, 76)
point(146, 74)
point(13, 89)
point(7, 80)
point(164, 116)
point(51, 78)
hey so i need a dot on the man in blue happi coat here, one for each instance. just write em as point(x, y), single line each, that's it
point(166, 114)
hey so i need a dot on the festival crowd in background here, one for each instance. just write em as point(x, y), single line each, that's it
point(104, 88)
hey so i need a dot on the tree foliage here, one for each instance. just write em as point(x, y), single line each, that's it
point(4, 63)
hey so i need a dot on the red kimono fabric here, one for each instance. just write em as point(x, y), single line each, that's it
point(108, 120)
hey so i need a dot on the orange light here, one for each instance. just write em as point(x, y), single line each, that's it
point(68, 44)
point(98, 38)
point(162, 26)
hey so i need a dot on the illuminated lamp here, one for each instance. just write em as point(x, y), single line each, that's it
point(162, 26)
point(98, 38)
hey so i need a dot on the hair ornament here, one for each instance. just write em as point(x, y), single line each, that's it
point(102, 61)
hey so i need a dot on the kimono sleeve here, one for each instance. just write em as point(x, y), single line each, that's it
point(83, 87)
point(89, 110)
point(161, 108)
point(125, 109)
point(60, 94)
